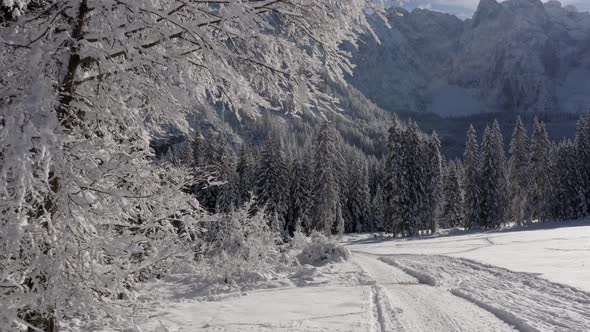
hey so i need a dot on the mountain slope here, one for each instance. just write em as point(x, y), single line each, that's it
point(518, 55)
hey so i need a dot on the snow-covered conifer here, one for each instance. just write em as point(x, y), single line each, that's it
point(582, 143)
point(378, 210)
point(539, 172)
point(452, 210)
point(567, 200)
point(494, 185)
point(326, 193)
point(392, 185)
point(519, 180)
point(272, 182)
point(358, 196)
point(432, 182)
point(471, 181)
point(299, 194)
point(245, 170)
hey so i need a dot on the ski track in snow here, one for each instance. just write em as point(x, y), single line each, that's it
point(404, 304)
point(522, 300)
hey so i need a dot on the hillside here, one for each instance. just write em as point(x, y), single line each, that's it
point(515, 56)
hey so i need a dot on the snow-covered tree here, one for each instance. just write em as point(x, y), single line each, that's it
point(567, 200)
point(519, 180)
point(358, 197)
point(452, 210)
point(582, 143)
point(433, 182)
point(539, 171)
point(471, 181)
point(299, 194)
point(86, 84)
point(245, 175)
point(215, 173)
point(272, 182)
point(406, 198)
point(494, 185)
point(325, 203)
point(378, 209)
point(392, 184)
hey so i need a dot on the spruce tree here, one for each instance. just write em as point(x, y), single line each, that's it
point(582, 143)
point(471, 181)
point(358, 196)
point(519, 174)
point(245, 170)
point(299, 194)
point(494, 186)
point(392, 184)
point(216, 166)
point(326, 184)
point(271, 180)
point(414, 200)
point(433, 182)
point(567, 200)
point(227, 198)
point(378, 210)
point(452, 211)
point(539, 171)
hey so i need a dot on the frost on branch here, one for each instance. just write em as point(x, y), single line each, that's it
point(87, 84)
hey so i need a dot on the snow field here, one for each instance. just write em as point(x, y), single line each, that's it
point(558, 252)
point(399, 285)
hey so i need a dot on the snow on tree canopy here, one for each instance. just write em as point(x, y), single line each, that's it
point(87, 84)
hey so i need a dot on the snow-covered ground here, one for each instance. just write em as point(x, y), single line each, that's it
point(558, 252)
point(528, 280)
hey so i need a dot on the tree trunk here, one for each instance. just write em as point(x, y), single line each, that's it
point(47, 320)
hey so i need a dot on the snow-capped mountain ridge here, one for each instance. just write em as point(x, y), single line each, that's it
point(517, 55)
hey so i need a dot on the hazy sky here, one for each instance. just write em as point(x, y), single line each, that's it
point(465, 8)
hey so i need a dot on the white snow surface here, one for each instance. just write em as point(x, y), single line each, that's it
point(507, 280)
point(559, 252)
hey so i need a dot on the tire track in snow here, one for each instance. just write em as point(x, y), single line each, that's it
point(521, 299)
point(403, 304)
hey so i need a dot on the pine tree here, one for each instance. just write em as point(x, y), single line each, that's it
point(339, 223)
point(227, 198)
point(471, 182)
point(539, 164)
point(433, 182)
point(271, 180)
point(326, 195)
point(197, 144)
point(215, 168)
point(245, 175)
point(392, 185)
point(452, 211)
point(519, 174)
point(582, 143)
point(494, 185)
point(567, 197)
point(378, 209)
point(358, 196)
point(299, 194)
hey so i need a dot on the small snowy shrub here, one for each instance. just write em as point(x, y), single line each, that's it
point(323, 250)
point(242, 249)
point(299, 240)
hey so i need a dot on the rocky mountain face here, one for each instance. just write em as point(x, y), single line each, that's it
point(515, 56)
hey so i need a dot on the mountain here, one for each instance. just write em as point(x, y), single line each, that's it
point(512, 56)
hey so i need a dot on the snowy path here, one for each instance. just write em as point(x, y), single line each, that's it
point(529, 281)
point(523, 299)
point(403, 304)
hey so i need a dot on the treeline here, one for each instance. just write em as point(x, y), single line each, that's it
point(329, 186)
point(542, 180)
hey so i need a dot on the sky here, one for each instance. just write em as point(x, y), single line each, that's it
point(466, 8)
